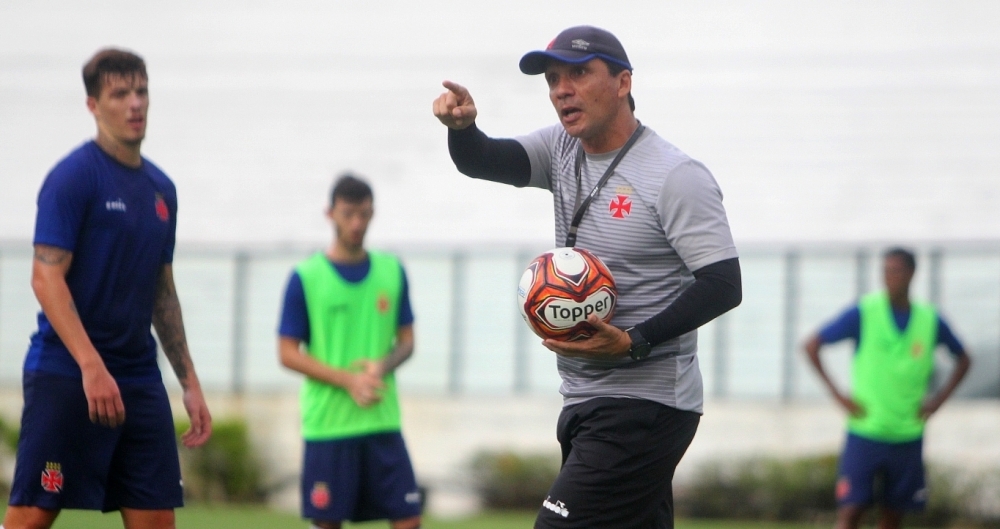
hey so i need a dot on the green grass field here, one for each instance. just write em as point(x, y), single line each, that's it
point(257, 518)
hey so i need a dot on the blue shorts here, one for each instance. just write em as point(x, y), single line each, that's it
point(64, 461)
point(897, 467)
point(359, 479)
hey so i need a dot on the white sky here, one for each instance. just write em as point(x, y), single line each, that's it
point(844, 121)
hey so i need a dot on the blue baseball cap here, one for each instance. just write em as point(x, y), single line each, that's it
point(577, 45)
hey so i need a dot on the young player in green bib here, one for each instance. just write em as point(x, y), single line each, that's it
point(888, 404)
point(346, 325)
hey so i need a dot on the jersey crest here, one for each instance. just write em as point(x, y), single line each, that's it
point(383, 303)
point(162, 212)
point(620, 207)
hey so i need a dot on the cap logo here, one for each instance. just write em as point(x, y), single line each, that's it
point(551, 43)
point(579, 44)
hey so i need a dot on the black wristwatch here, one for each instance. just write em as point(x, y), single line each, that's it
point(640, 347)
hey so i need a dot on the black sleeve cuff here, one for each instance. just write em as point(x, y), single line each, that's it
point(717, 288)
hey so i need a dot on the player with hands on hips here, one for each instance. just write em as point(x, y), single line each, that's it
point(895, 340)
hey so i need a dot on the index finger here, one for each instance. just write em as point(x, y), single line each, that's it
point(598, 323)
point(456, 88)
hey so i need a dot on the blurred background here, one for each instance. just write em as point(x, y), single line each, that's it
point(834, 130)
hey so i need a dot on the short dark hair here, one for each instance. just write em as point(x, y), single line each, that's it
point(350, 188)
point(111, 61)
point(615, 69)
point(908, 258)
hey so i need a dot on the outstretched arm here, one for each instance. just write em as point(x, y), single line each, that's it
point(812, 348)
point(48, 280)
point(474, 153)
point(957, 374)
point(500, 160)
point(169, 327)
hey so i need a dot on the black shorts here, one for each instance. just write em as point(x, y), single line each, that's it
point(619, 456)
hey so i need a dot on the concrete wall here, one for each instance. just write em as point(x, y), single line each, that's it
point(443, 433)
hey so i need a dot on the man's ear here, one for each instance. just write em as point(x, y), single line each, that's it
point(625, 84)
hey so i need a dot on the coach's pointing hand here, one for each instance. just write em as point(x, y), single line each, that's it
point(455, 107)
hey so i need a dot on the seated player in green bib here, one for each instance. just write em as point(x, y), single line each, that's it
point(888, 404)
point(347, 325)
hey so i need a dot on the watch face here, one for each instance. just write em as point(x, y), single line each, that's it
point(640, 351)
point(640, 347)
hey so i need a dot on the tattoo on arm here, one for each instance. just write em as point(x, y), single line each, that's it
point(396, 358)
point(170, 327)
point(50, 255)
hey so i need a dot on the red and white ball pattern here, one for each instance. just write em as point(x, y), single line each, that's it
point(561, 288)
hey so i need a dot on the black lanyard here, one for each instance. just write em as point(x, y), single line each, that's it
point(580, 209)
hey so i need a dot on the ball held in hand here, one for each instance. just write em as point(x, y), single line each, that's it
point(561, 288)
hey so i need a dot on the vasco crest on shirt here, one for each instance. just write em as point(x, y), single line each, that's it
point(162, 212)
point(621, 205)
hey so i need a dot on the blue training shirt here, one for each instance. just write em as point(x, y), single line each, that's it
point(295, 315)
point(848, 325)
point(120, 225)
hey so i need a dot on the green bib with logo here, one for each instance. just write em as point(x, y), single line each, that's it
point(348, 323)
point(892, 369)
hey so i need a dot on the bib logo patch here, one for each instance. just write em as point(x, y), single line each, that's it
point(162, 212)
point(917, 350)
point(383, 303)
point(52, 478)
point(320, 495)
point(620, 207)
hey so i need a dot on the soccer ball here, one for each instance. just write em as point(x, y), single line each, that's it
point(561, 288)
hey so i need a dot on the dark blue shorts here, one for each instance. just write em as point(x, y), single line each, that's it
point(64, 461)
point(359, 479)
point(890, 472)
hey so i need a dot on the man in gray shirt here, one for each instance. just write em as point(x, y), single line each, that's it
point(633, 391)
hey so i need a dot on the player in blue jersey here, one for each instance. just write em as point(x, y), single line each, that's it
point(97, 432)
point(889, 404)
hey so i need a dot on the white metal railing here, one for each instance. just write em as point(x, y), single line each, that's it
point(471, 339)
